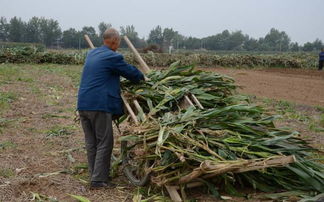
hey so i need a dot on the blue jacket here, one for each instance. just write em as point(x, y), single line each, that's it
point(321, 56)
point(100, 82)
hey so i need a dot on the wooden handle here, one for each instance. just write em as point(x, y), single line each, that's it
point(145, 69)
point(89, 41)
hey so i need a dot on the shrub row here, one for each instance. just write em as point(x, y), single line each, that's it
point(32, 55)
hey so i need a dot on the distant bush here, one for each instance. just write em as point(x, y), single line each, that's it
point(39, 47)
point(32, 55)
point(299, 60)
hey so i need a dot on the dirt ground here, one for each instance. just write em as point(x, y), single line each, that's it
point(42, 149)
point(294, 85)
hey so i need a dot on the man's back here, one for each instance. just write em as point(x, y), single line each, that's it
point(100, 82)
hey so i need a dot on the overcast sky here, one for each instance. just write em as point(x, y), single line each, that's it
point(303, 20)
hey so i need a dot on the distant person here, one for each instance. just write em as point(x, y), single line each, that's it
point(99, 100)
point(321, 59)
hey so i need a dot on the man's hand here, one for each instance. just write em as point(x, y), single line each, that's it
point(146, 79)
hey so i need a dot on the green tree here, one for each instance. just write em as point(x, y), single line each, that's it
point(218, 41)
point(294, 47)
point(132, 35)
point(103, 27)
point(318, 44)
point(33, 30)
point(192, 43)
point(276, 41)
point(313, 46)
point(71, 38)
point(251, 44)
point(16, 30)
point(178, 41)
point(50, 31)
point(4, 29)
point(156, 36)
point(308, 46)
point(91, 32)
point(235, 41)
point(169, 36)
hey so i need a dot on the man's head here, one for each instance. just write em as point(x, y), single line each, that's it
point(322, 49)
point(111, 38)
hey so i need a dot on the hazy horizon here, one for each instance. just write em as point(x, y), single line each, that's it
point(302, 20)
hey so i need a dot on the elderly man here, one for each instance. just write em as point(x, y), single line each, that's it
point(99, 100)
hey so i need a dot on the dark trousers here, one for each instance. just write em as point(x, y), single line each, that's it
point(320, 64)
point(98, 131)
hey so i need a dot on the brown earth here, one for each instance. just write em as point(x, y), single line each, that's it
point(295, 85)
point(42, 148)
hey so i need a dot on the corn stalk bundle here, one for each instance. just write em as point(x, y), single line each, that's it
point(217, 144)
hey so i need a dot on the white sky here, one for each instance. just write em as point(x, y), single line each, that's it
point(303, 20)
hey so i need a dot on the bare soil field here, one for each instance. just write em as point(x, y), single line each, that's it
point(42, 152)
point(295, 85)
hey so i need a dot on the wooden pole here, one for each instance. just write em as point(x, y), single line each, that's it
point(139, 108)
point(145, 69)
point(189, 101)
point(89, 41)
point(129, 109)
point(172, 190)
point(194, 98)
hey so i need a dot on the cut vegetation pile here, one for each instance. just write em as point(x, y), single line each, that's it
point(218, 145)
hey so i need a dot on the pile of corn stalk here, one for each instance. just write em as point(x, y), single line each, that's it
point(217, 144)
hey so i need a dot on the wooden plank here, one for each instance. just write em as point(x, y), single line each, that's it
point(145, 69)
point(172, 190)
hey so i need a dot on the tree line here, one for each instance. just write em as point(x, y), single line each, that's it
point(49, 33)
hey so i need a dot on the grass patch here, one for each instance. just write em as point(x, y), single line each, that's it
point(8, 73)
point(58, 131)
point(4, 123)
point(7, 145)
point(313, 121)
point(49, 116)
point(27, 80)
point(320, 108)
point(5, 99)
point(321, 121)
point(6, 172)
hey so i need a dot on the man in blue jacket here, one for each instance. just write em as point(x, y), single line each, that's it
point(321, 59)
point(98, 100)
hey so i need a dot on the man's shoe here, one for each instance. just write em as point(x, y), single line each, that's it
point(99, 185)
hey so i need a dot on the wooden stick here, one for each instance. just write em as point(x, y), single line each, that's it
point(188, 100)
point(191, 185)
point(247, 165)
point(145, 69)
point(129, 109)
point(194, 98)
point(172, 190)
point(275, 162)
point(89, 41)
point(139, 108)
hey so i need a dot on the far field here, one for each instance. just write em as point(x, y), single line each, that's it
point(42, 148)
